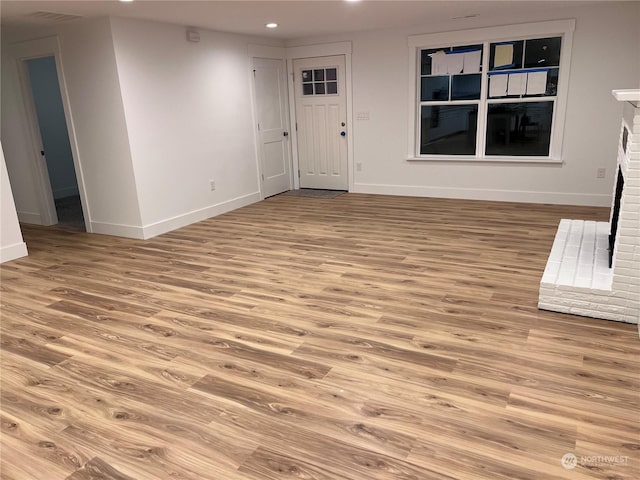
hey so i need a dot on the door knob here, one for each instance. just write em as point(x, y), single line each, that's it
point(343, 134)
point(285, 134)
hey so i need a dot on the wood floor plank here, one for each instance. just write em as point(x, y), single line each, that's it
point(362, 337)
point(97, 469)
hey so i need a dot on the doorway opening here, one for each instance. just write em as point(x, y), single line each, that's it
point(57, 158)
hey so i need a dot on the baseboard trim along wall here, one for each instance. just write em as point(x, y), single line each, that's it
point(12, 252)
point(117, 230)
point(556, 198)
point(194, 216)
point(30, 217)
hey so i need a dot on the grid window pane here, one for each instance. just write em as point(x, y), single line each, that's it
point(426, 60)
point(434, 88)
point(321, 81)
point(519, 129)
point(465, 87)
point(448, 129)
point(513, 59)
point(542, 52)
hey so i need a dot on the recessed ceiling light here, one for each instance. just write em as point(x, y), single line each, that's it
point(126, 1)
point(271, 25)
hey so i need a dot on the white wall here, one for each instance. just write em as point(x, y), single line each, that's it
point(18, 150)
point(45, 88)
point(605, 57)
point(91, 75)
point(155, 118)
point(188, 113)
point(89, 69)
point(11, 244)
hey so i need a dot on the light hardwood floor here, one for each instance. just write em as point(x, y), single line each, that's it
point(363, 337)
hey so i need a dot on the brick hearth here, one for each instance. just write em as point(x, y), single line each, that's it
point(577, 278)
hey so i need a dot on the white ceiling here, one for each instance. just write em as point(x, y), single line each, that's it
point(296, 18)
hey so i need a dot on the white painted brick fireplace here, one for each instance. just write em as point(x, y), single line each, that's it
point(578, 278)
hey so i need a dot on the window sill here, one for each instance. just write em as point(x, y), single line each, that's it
point(471, 159)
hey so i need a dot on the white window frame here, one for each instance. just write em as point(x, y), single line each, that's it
point(486, 36)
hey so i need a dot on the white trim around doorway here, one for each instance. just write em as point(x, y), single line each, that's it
point(45, 47)
point(321, 50)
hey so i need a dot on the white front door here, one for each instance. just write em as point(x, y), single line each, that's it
point(273, 137)
point(321, 117)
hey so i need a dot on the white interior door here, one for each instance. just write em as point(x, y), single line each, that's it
point(273, 137)
point(48, 214)
point(321, 117)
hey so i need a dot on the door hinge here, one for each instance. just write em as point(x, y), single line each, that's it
point(254, 72)
point(296, 126)
point(258, 127)
point(262, 177)
point(298, 173)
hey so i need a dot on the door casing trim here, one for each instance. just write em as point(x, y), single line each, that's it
point(20, 53)
point(312, 51)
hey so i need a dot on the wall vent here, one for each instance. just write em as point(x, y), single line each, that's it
point(48, 18)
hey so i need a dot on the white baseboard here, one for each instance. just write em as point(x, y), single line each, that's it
point(117, 230)
point(558, 198)
point(11, 252)
point(66, 192)
point(194, 216)
point(30, 217)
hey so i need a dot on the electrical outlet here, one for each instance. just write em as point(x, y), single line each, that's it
point(358, 167)
point(602, 172)
point(212, 185)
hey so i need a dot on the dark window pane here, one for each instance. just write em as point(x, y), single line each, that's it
point(426, 59)
point(332, 74)
point(552, 81)
point(465, 87)
point(306, 75)
point(318, 75)
point(448, 129)
point(519, 129)
point(332, 88)
point(319, 88)
point(542, 52)
point(307, 89)
point(435, 88)
point(516, 58)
